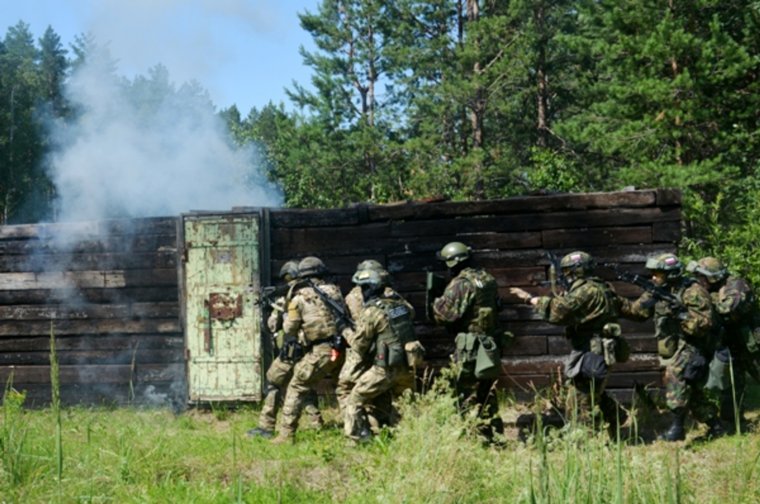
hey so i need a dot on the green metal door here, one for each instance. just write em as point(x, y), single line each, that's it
point(222, 314)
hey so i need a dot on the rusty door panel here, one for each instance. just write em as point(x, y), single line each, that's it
point(222, 314)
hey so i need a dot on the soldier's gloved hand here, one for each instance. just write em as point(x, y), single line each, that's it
point(286, 352)
point(522, 294)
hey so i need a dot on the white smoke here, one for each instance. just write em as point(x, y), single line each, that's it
point(145, 147)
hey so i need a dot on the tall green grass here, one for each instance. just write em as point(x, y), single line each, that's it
point(432, 456)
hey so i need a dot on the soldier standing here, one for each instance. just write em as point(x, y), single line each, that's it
point(685, 340)
point(281, 370)
point(309, 317)
point(468, 308)
point(738, 349)
point(355, 364)
point(589, 310)
point(384, 331)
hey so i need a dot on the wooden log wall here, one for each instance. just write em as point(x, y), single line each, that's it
point(108, 292)
point(509, 238)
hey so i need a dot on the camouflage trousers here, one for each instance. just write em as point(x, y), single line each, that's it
point(375, 382)
point(307, 373)
point(352, 369)
point(685, 378)
point(728, 381)
point(278, 377)
point(478, 397)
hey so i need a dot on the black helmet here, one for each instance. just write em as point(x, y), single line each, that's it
point(311, 266)
point(454, 253)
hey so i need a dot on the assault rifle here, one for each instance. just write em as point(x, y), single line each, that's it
point(270, 293)
point(658, 293)
point(338, 310)
point(558, 280)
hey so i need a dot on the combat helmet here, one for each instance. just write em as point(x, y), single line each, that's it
point(669, 263)
point(372, 265)
point(577, 263)
point(289, 271)
point(454, 253)
point(311, 266)
point(369, 277)
point(369, 264)
point(709, 267)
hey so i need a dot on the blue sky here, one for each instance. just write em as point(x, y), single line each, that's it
point(244, 52)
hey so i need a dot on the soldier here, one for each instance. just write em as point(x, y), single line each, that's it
point(384, 332)
point(281, 370)
point(683, 329)
point(468, 308)
point(589, 311)
point(354, 365)
point(737, 350)
point(310, 318)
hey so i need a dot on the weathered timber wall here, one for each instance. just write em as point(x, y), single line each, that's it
point(109, 289)
point(510, 238)
point(108, 292)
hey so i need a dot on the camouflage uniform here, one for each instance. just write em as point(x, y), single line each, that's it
point(311, 320)
point(378, 335)
point(468, 307)
point(278, 376)
point(585, 309)
point(685, 340)
point(735, 305)
point(355, 365)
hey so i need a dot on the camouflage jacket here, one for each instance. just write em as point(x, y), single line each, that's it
point(694, 325)
point(469, 303)
point(736, 308)
point(308, 313)
point(584, 309)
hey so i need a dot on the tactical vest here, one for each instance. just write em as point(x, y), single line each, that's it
point(389, 345)
point(481, 315)
point(319, 322)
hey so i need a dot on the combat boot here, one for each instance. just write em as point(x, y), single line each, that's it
point(284, 438)
point(259, 432)
point(715, 428)
point(676, 431)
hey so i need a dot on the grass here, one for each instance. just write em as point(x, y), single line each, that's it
point(152, 455)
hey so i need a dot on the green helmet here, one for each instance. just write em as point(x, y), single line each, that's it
point(369, 277)
point(579, 263)
point(311, 266)
point(370, 264)
point(454, 253)
point(709, 267)
point(669, 263)
point(289, 271)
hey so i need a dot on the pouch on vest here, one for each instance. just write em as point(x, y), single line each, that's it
point(466, 354)
point(751, 337)
point(719, 377)
point(488, 361)
point(396, 356)
point(696, 368)
point(466, 344)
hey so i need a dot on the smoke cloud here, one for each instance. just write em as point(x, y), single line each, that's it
point(144, 146)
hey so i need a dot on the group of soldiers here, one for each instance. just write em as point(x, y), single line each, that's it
point(705, 326)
